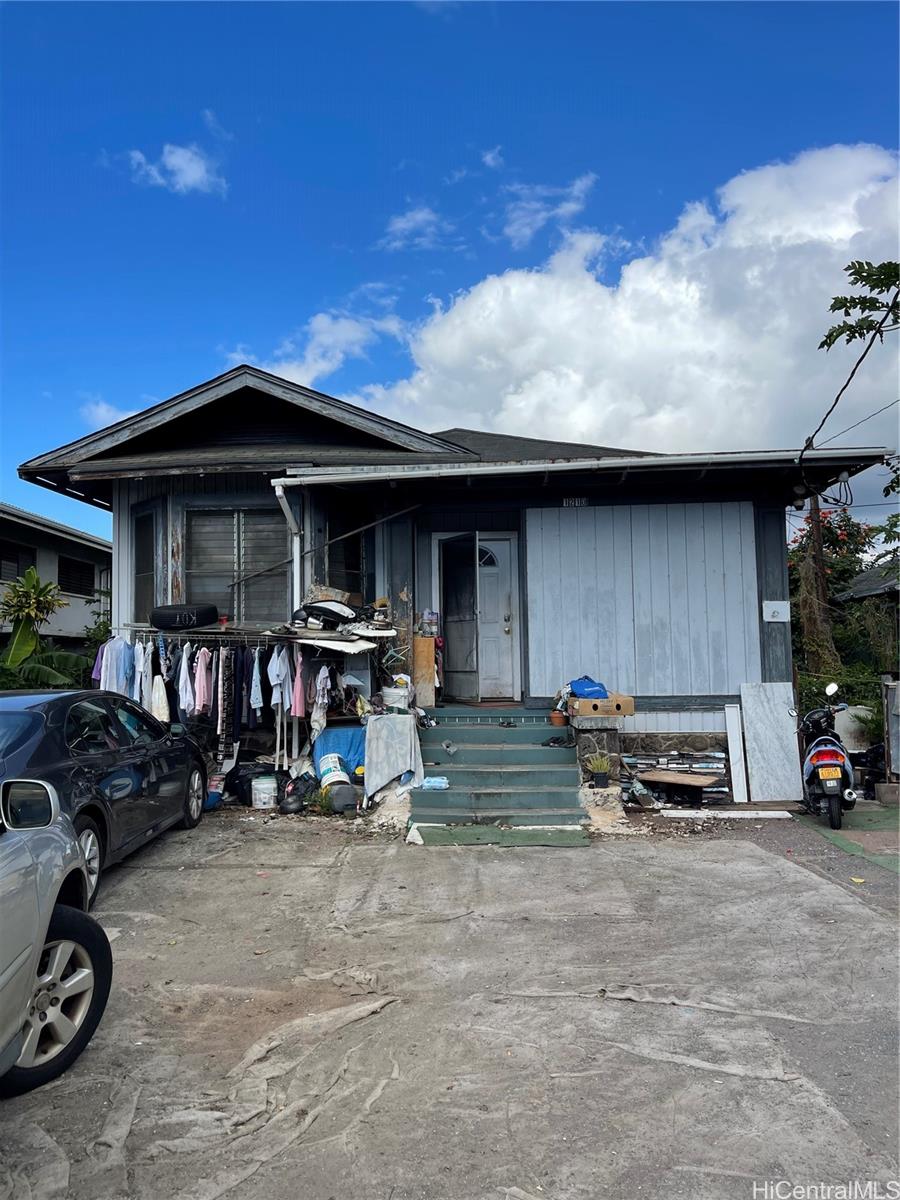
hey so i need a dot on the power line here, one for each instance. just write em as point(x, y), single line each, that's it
point(862, 422)
point(876, 332)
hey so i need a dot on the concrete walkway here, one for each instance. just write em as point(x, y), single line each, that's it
point(302, 1014)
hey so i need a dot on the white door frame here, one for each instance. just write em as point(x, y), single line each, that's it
point(512, 537)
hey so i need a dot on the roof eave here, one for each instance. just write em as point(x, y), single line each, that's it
point(852, 459)
point(222, 385)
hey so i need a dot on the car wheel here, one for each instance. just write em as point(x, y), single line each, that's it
point(70, 991)
point(194, 798)
point(91, 841)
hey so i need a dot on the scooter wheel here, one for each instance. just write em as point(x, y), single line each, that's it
point(834, 812)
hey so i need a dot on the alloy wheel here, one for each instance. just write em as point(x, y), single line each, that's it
point(90, 844)
point(59, 1004)
point(195, 795)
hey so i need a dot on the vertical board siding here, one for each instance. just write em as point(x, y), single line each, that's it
point(654, 599)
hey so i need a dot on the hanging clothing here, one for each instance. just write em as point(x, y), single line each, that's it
point(128, 668)
point(97, 672)
point(256, 697)
point(139, 651)
point(159, 701)
point(280, 678)
point(202, 680)
point(112, 669)
point(298, 698)
point(185, 686)
point(147, 677)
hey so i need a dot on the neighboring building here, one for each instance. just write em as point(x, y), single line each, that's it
point(881, 580)
point(79, 562)
point(546, 560)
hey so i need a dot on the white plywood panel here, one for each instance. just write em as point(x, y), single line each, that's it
point(773, 757)
point(736, 753)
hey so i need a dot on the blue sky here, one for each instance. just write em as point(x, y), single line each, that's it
point(355, 193)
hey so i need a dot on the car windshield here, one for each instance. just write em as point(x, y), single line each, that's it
point(15, 730)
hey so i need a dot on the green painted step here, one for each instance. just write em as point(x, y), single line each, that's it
point(499, 816)
point(490, 835)
point(498, 753)
point(490, 733)
point(508, 776)
point(525, 796)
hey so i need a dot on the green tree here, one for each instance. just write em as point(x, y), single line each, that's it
point(28, 604)
point(873, 311)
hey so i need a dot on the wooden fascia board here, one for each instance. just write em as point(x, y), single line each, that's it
point(207, 393)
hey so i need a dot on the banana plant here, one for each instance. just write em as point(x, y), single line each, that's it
point(28, 604)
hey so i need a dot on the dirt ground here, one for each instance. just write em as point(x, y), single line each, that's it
point(302, 1012)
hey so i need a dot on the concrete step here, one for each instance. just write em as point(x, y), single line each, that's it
point(497, 753)
point(526, 796)
point(508, 776)
point(499, 816)
point(490, 732)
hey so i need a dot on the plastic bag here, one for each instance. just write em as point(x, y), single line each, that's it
point(586, 688)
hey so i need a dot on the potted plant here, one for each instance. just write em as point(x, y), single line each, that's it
point(598, 765)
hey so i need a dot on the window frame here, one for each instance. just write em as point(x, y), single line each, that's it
point(81, 562)
point(154, 509)
point(100, 703)
point(18, 547)
point(117, 703)
point(231, 503)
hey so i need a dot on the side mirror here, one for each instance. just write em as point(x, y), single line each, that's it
point(792, 712)
point(28, 804)
point(177, 730)
point(831, 689)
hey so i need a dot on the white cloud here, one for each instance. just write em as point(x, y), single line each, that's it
point(706, 343)
point(179, 169)
point(97, 413)
point(492, 158)
point(419, 228)
point(212, 123)
point(532, 206)
point(323, 345)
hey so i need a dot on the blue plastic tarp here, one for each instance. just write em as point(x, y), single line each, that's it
point(349, 741)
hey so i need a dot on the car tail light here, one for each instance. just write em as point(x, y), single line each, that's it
point(826, 756)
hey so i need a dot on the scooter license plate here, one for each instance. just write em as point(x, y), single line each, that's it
point(829, 772)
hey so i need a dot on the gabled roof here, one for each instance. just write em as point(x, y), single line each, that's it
point(879, 580)
point(30, 520)
point(401, 437)
point(504, 447)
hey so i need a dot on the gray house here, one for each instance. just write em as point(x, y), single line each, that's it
point(664, 575)
point(79, 562)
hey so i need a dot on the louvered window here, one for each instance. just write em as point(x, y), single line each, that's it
point(226, 546)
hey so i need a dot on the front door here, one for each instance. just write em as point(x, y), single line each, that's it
point(496, 614)
point(459, 588)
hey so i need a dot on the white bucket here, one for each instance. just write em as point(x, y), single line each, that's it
point(331, 770)
point(264, 791)
point(396, 697)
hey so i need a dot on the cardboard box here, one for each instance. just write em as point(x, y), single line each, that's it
point(616, 705)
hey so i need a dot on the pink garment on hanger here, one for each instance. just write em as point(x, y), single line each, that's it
point(298, 701)
point(202, 681)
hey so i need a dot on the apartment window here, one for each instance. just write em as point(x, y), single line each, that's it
point(144, 565)
point(237, 560)
point(75, 576)
point(14, 561)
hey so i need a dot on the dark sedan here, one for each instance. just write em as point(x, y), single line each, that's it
point(120, 775)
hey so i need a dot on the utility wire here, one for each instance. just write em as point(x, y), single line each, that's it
point(862, 422)
point(845, 493)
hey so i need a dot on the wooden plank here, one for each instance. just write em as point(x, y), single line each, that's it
point(423, 671)
point(736, 753)
point(679, 778)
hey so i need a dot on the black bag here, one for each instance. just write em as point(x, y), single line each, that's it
point(184, 616)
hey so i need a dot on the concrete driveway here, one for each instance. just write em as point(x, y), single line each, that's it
point(301, 1013)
